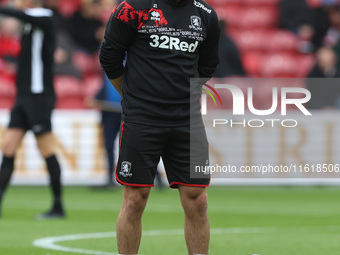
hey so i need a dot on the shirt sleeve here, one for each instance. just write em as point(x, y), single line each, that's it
point(120, 32)
point(42, 20)
point(209, 50)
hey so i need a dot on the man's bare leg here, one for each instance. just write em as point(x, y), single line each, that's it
point(11, 141)
point(10, 144)
point(46, 144)
point(129, 222)
point(197, 229)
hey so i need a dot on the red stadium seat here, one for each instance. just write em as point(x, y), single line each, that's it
point(252, 63)
point(222, 3)
point(261, 2)
point(279, 65)
point(9, 46)
point(231, 14)
point(87, 64)
point(67, 86)
point(250, 17)
point(8, 70)
point(68, 90)
point(68, 7)
point(70, 103)
point(7, 87)
point(82, 61)
point(250, 40)
point(6, 102)
point(7, 92)
point(314, 3)
point(264, 40)
point(261, 17)
point(92, 85)
point(282, 40)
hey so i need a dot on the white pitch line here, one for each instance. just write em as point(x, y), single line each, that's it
point(49, 242)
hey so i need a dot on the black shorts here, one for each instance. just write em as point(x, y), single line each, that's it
point(32, 113)
point(141, 147)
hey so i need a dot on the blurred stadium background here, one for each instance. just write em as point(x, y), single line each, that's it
point(286, 39)
point(261, 39)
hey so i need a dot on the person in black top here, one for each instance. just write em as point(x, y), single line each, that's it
point(86, 28)
point(230, 59)
point(323, 80)
point(35, 96)
point(168, 42)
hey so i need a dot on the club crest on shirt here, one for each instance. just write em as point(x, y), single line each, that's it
point(155, 16)
point(126, 169)
point(27, 28)
point(196, 23)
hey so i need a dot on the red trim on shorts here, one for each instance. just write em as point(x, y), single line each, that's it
point(119, 181)
point(121, 136)
point(189, 185)
point(133, 184)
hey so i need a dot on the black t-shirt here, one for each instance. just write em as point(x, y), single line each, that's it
point(35, 65)
point(325, 90)
point(166, 44)
point(83, 30)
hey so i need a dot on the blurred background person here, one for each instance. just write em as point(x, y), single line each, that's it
point(108, 101)
point(65, 45)
point(326, 64)
point(230, 59)
point(86, 28)
point(294, 13)
point(63, 57)
point(310, 24)
point(9, 49)
point(35, 97)
point(332, 35)
point(326, 94)
point(9, 39)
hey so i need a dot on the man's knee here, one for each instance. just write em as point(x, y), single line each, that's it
point(201, 205)
point(135, 200)
point(11, 141)
point(45, 151)
point(46, 145)
point(196, 203)
point(8, 149)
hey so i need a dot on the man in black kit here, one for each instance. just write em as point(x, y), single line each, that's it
point(167, 43)
point(35, 96)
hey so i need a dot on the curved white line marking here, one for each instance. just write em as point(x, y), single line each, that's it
point(49, 242)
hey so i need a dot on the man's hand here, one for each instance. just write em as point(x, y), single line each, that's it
point(117, 83)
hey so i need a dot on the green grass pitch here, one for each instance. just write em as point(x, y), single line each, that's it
point(245, 220)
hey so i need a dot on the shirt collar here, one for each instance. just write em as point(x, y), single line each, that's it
point(180, 3)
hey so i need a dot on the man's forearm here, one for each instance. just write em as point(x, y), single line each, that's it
point(117, 83)
point(21, 15)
